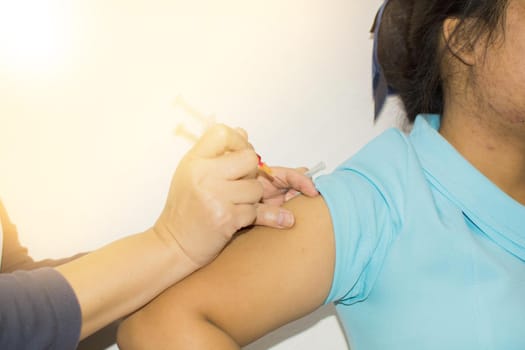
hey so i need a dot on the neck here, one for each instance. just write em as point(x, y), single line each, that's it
point(495, 146)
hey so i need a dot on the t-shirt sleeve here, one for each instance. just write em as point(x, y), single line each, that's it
point(363, 230)
point(38, 310)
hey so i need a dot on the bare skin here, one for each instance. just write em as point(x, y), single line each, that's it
point(213, 194)
point(485, 120)
point(265, 279)
point(277, 275)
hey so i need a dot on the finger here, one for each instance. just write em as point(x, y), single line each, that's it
point(242, 191)
point(218, 140)
point(242, 132)
point(245, 215)
point(291, 194)
point(273, 216)
point(295, 179)
point(271, 193)
point(302, 169)
point(235, 165)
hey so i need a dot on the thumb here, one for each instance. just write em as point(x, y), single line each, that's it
point(274, 216)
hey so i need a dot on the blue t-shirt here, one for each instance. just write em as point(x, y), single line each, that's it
point(430, 254)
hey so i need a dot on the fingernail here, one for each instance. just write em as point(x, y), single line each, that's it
point(286, 219)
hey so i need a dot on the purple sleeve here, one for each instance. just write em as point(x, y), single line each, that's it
point(38, 310)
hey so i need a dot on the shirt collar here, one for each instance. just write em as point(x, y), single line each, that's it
point(498, 215)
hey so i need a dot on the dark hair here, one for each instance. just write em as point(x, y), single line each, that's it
point(409, 45)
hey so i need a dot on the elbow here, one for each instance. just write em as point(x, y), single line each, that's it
point(142, 332)
point(130, 335)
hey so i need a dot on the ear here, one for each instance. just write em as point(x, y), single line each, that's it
point(457, 42)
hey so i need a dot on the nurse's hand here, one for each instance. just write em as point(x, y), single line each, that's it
point(214, 193)
point(286, 184)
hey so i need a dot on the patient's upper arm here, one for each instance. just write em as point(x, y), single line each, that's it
point(262, 280)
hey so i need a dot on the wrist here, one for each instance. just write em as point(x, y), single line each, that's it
point(173, 246)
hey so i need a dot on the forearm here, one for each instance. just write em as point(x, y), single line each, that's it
point(123, 276)
point(17, 261)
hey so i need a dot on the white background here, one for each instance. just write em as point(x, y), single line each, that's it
point(87, 88)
